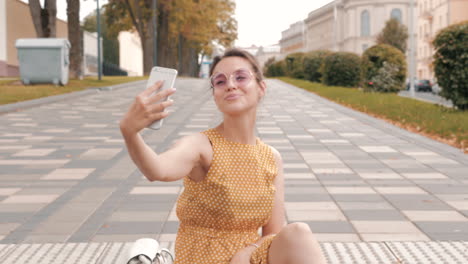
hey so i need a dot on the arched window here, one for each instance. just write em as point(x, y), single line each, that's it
point(396, 13)
point(365, 23)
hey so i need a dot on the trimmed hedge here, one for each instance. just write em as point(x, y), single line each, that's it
point(375, 76)
point(295, 65)
point(312, 63)
point(276, 69)
point(451, 63)
point(341, 69)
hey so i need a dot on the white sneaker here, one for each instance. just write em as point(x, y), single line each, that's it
point(147, 251)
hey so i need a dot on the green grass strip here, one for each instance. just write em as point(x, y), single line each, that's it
point(12, 91)
point(445, 124)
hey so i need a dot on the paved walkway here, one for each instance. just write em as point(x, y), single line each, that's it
point(65, 176)
point(428, 97)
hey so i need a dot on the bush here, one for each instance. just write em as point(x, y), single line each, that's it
point(385, 79)
point(295, 65)
point(312, 63)
point(451, 63)
point(276, 69)
point(371, 68)
point(341, 69)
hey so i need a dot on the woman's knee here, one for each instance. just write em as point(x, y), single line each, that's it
point(297, 229)
point(295, 241)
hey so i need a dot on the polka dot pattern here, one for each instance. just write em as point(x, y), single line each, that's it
point(221, 214)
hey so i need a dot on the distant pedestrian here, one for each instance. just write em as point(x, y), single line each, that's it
point(234, 183)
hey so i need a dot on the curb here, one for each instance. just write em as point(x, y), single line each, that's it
point(14, 107)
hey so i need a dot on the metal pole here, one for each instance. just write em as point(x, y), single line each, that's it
point(411, 48)
point(155, 32)
point(98, 21)
point(335, 27)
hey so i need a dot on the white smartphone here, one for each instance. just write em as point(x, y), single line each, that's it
point(161, 74)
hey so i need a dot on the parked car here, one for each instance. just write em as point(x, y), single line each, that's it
point(421, 86)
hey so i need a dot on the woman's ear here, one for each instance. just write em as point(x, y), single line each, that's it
point(263, 87)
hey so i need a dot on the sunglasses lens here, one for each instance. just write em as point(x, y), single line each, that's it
point(242, 77)
point(218, 80)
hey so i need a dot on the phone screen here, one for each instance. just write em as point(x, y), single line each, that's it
point(161, 74)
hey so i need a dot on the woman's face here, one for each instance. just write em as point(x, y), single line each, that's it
point(235, 87)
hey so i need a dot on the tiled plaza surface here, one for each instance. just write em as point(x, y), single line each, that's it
point(65, 175)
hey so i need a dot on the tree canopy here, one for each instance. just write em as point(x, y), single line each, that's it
point(394, 34)
point(185, 28)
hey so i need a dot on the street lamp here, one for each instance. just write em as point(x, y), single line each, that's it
point(98, 19)
point(411, 48)
point(155, 32)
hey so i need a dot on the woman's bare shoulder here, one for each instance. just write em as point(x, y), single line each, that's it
point(276, 153)
point(197, 143)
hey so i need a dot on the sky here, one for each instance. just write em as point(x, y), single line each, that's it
point(259, 22)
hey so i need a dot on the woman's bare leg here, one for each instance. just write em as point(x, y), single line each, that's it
point(295, 244)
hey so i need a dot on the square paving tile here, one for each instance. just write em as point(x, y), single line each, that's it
point(39, 152)
point(378, 149)
point(374, 215)
point(435, 216)
point(100, 153)
point(400, 190)
point(433, 175)
point(22, 199)
point(343, 237)
point(395, 237)
point(68, 174)
point(330, 227)
point(388, 175)
point(143, 216)
point(167, 238)
point(350, 190)
point(365, 205)
point(358, 198)
point(8, 191)
point(124, 237)
point(315, 215)
point(155, 190)
point(309, 175)
point(444, 227)
point(6, 228)
point(297, 206)
point(386, 227)
point(48, 238)
point(332, 171)
point(130, 228)
point(460, 205)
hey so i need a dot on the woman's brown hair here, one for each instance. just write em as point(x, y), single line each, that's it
point(235, 52)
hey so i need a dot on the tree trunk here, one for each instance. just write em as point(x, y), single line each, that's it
point(51, 7)
point(193, 64)
point(75, 38)
point(167, 47)
point(44, 19)
point(147, 48)
point(36, 10)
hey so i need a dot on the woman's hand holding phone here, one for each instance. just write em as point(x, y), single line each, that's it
point(144, 110)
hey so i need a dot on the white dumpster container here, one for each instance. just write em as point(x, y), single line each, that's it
point(43, 60)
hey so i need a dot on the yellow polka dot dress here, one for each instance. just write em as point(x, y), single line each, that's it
point(221, 214)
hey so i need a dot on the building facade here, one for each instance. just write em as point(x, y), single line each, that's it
point(130, 53)
point(433, 16)
point(293, 38)
point(351, 25)
point(16, 22)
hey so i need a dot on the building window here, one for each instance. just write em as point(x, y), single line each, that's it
point(396, 13)
point(365, 23)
